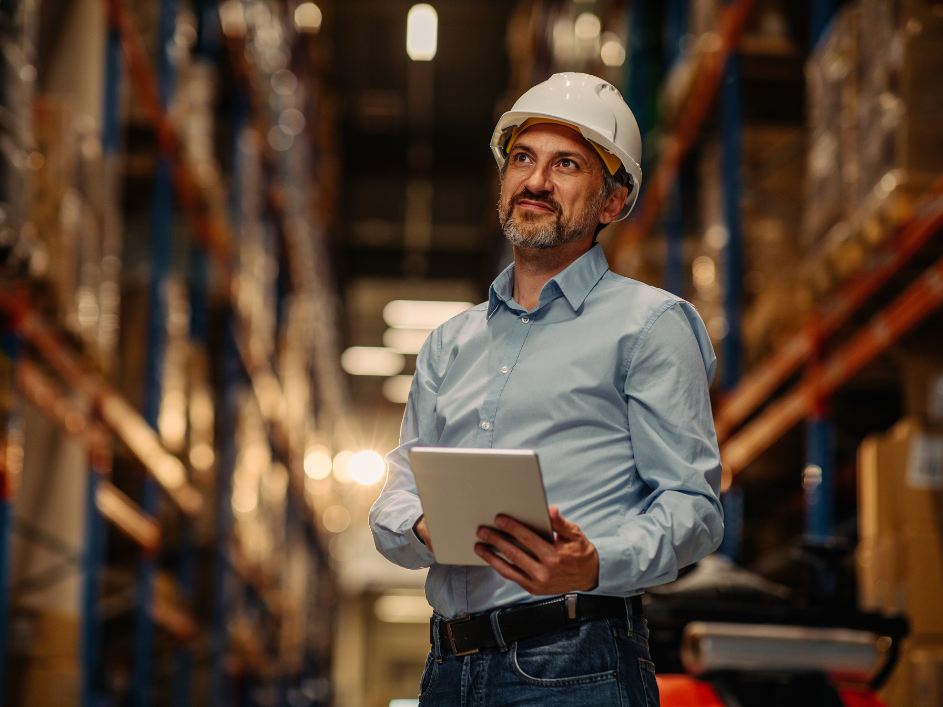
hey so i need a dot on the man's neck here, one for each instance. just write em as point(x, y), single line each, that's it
point(533, 267)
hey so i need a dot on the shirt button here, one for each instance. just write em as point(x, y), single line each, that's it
point(525, 319)
point(504, 369)
point(486, 425)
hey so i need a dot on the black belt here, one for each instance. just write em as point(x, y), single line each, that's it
point(474, 633)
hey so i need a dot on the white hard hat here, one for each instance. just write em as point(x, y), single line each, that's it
point(589, 105)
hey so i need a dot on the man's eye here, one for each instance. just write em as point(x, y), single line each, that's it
point(566, 164)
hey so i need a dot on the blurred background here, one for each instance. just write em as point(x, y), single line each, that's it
point(226, 228)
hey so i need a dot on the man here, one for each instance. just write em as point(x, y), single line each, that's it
point(607, 379)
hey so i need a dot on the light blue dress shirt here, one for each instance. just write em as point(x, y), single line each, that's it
point(607, 379)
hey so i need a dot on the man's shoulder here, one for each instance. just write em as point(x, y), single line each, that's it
point(619, 291)
point(472, 315)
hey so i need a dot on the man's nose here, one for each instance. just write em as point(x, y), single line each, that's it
point(538, 181)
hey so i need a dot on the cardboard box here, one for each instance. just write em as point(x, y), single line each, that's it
point(917, 469)
point(918, 678)
point(926, 675)
point(51, 683)
point(44, 634)
point(923, 573)
point(880, 575)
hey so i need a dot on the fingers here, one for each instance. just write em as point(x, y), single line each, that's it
point(562, 527)
point(504, 569)
point(525, 536)
point(422, 530)
point(512, 552)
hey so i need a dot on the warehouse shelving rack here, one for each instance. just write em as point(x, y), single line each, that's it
point(825, 372)
point(112, 415)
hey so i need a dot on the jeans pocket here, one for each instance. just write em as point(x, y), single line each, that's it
point(566, 658)
point(428, 676)
point(649, 683)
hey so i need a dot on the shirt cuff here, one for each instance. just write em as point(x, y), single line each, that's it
point(618, 566)
point(425, 555)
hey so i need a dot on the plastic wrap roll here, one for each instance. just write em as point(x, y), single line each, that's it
point(708, 647)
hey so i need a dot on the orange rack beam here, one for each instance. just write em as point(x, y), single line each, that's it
point(116, 413)
point(825, 321)
point(909, 308)
point(123, 513)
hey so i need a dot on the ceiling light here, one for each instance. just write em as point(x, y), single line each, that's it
point(396, 388)
point(317, 461)
point(372, 361)
point(587, 27)
point(407, 341)
point(419, 314)
point(367, 468)
point(422, 25)
point(308, 18)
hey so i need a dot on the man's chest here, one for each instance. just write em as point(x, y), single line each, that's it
point(513, 379)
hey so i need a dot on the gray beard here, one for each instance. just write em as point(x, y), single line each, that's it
point(524, 234)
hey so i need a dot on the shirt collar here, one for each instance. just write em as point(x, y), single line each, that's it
point(574, 283)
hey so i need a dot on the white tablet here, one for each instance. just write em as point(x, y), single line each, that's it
point(462, 489)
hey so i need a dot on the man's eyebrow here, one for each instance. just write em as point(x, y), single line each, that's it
point(556, 155)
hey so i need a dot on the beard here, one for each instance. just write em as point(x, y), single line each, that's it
point(528, 230)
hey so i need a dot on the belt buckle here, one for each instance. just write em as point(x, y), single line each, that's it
point(448, 630)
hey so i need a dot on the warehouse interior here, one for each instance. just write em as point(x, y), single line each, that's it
point(227, 227)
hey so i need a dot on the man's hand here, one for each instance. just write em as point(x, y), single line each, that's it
point(568, 564)
point(423, 532)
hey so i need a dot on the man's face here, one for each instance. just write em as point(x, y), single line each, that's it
point(552, 192)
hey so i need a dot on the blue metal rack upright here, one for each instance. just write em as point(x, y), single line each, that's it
point(9, 350)
point(95, 529)
point(731, 138)
point(160, 252)
point(818, 476)
point(675, 29)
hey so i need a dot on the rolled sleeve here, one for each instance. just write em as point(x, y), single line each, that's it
point(397, 509)
point(676, 455)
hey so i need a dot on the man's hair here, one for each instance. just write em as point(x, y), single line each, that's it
point(610, 182)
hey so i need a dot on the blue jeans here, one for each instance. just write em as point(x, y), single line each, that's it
point(599, 664)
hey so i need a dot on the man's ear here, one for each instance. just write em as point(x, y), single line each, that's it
point(614, 205)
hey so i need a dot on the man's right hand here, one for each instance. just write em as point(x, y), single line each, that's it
point(422, 531)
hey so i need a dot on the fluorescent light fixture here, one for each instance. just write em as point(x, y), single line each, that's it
point(404, 703)
point(407, 341)
point(366, 468)
point(396, 388)
point(372, 361)
point(403, 609)
point(422, 28)
point(420, 314)
point(587, 27)
point(308, 18)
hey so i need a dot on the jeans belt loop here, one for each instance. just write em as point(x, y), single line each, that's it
point(628, 613)
point(496, 628)
point(437, 647)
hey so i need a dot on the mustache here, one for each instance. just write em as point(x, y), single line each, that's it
point(531, 196)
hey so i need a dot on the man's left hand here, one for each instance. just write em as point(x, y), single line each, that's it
point(567, 564)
